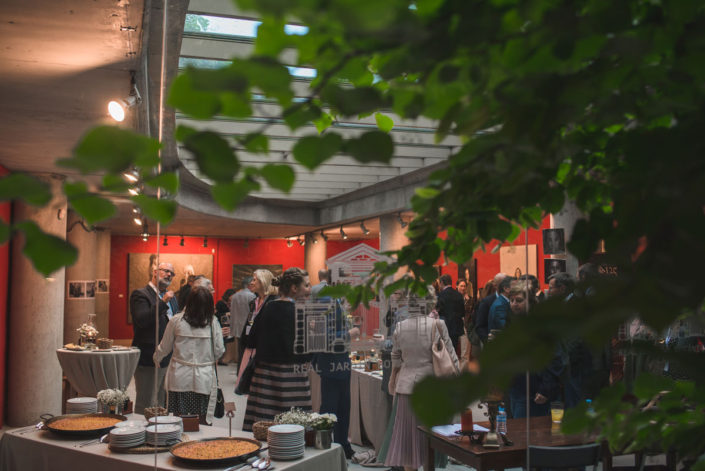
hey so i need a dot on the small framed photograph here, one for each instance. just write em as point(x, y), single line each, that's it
point(552, 266)
point(90, 289)
point(103, 286)
point(553, 241)
point(76, 290)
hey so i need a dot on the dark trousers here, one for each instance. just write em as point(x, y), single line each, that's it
point(335, 399)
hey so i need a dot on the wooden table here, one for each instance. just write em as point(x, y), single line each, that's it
point(541, 433)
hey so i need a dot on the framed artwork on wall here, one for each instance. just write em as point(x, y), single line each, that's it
point(553, 241)
point(242, 271)
point(141, 265)
point(552, 266)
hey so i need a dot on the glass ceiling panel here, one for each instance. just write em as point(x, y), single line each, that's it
point(298, 72)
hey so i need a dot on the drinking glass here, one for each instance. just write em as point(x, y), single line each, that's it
point(557, 409)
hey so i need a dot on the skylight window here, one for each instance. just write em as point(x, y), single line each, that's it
point(236, 27)
point(298, 72)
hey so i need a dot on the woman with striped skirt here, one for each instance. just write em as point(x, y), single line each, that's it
point(280, 380)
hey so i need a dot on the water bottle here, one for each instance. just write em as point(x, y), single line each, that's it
point(501, 421)
point(590, 409)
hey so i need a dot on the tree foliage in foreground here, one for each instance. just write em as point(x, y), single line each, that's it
point(596, 101)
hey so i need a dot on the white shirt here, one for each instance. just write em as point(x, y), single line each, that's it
point(192, 362)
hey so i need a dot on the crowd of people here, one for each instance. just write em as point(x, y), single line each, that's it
point(193, 331)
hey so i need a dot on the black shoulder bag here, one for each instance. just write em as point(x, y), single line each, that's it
point(219, 411)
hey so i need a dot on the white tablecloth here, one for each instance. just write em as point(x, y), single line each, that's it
point(369, 406)
point(89, 372)
point(44, 451)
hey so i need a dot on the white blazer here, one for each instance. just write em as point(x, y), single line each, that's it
point(412, 351)
point(192, 362)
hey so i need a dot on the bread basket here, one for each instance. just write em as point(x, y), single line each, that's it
point(150, 412)
point(259, 429)
point(103, 343)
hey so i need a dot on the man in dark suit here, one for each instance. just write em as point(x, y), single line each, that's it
point(499, 311)
point(482, 315)
point(143, 305)
point(451, 308)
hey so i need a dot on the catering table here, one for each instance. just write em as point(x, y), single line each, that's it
point(90, 371)
point(475, 455)
point(369, 406)
point(44, 451)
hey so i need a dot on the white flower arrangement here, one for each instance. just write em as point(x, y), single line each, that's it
point(87, 331)
point(295, 416)
point(112, 397)
point(322, 421)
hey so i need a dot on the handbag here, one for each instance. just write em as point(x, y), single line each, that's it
point(219, 411)
point(443, 364)
point(243, 385)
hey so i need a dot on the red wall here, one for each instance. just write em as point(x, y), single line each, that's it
point(226, 252)
point(488, 263)
point(334, 247)
point(4, 270)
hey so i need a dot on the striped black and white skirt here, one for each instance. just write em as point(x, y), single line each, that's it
point(276, 389)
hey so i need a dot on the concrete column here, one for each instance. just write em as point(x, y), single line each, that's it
point(565, 219)
point(76, 310)
point(391, 237)
point(314, 258)
point(102, 272)
point(35, 321)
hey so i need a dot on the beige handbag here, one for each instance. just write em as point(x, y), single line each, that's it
point(443, 364)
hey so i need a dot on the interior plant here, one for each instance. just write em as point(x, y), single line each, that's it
point(322, 421)
point(595, 102)
point(294, 416)
point(112, 399)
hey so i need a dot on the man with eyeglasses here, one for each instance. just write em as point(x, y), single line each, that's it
point(143, 307)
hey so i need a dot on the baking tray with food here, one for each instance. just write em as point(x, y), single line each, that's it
point(216, 451)
point(80, 425)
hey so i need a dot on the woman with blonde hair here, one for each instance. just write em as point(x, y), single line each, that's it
point(265, 292)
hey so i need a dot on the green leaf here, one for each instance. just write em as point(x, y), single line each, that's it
point(271, 39)
point(184, 97)
point(115, 183)
point(428, 7)
point(16, 186)
point(161, 210)
point(300, 114)
point(255, 142)
point(230, 195)
point(384, 123)
point(323, 123)
point(270, 76)
point(91, 207)
point(214, 156)
point(280, 177)
point(5, 232)
point(47, 252)
point(372, 146)
point(113, 149)
point(427, 193)
point(169, 181)
point(312, 151)
point(355, 101)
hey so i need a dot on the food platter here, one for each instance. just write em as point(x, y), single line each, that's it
point(98, 424)
point(216, 451)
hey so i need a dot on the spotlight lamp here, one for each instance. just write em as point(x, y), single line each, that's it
point(182, 240)
point(137, 220)
point(133, 191)
point(289, 243)
point(118, 108)
point(205, 241)
point(365, 230)
point(402, 222)
point(165, 241)
point(312, 237)
point(324, 236)
point(145, 231)
point(131, 176)
point(135, 210)
point(343, 234)
point(301, 241)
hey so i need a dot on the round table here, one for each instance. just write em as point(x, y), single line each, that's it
point(91, 371)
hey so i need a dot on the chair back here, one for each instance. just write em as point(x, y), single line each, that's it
point(561, 457)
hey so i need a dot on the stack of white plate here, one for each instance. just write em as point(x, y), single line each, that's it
point(131, 423)
point(168, 420)
point(127, 437)
point(82, 405)
point(286, 442)
point(160, 435)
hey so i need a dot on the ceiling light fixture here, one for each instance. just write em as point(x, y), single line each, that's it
point(313, 238)
point(324, 236)
point(182, 240)
point(301, 241)
point(205, 241)
point(133, 191)
point(402, 222)
point(365, 230)
point(165, 241)
point(289, 243)
point(118, 108)
point(131, 176)
point(137, 220)
point(145, 231)
point(343, 234)
point(135, 210)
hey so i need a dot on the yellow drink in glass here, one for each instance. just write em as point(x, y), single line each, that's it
point(557, 410)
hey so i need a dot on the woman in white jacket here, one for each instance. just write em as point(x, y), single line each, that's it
point(197, 342)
